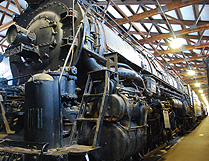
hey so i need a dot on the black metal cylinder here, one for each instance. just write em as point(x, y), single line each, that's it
point(42, 116)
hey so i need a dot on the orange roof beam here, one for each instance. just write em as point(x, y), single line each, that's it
point(152, 12)
point(18, 6)
point(7, 10)
point(196, 72)
point(178, 33)
point(180, 60)
point(184, 48)
point(194, 66)
point(136, 2)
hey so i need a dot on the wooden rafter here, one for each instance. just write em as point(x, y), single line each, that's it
point(189, 59)
point(186, 67)
point(3, 46)
point(137, 29)
point(180, 36)
point(193, 80)
point(156, 11)
point(6, 25)
point(178, 33)
point(194, 83)
point(172, 21)
point(204, 88)
point(196, 76)
point(18, 6)
point(136, 2)
point(184, 48)
point(196, 72)
point(7, 10)
point(4, 13)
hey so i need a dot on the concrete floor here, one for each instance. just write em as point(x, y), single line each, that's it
point(193, 147)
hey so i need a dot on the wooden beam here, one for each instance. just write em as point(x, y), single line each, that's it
point(4, 13)
point(194, 83)
point(194, 80)
point(137, 29)
point(198, 88)
point(3, 46)
point(155, 11)
point(191, 77)
point(136, 2)
point(196, 72)
point(159, 21)
point(189, 59)
point(178, 33)
point(6, 25)
point(18, 6)
point(184, 48)
point(180, 36)
point(7, 10)
point(186, 67)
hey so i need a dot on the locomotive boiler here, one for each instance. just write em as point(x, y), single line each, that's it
point(86, 89)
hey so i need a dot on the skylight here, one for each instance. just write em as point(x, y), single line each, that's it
point(114, 12)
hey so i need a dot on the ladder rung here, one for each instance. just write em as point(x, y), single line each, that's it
point(66, 132)
point(87, 119)
point(93, 95)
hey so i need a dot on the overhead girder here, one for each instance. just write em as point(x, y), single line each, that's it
point(193, 80)
point(179, 60)
point(184, 48)
point(186, 67)
point(152, 12)
point(178, 33)
point(196, 71)
point(136, 2)
point(191, 77)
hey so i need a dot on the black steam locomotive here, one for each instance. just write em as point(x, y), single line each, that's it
point(83, 89)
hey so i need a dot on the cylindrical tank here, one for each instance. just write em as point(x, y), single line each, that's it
point(42, 116)
point(119, 143)
point(176, 103)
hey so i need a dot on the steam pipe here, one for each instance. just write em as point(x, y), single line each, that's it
point(101, 59)
point(132, 75)
point(122, 72)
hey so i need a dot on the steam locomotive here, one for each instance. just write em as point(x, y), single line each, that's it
point(83, 90)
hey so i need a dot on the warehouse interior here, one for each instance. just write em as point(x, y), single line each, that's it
point(154, 24)
point(175, 32)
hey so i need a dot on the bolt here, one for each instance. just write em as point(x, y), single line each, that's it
point(40, 61)
point(46, 55)
point(35, 157)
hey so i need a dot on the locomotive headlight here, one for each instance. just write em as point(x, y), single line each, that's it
point(12, 34)
point(17, 34)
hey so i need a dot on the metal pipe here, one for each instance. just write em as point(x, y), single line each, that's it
point(173, 33)
point(71, 48)
point(198, 17)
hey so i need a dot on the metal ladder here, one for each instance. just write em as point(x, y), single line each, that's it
point(95, 76)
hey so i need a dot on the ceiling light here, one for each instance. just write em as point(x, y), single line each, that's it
point(200, 91)
point(176, 43)
point(197, 84)
point(191, 72)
